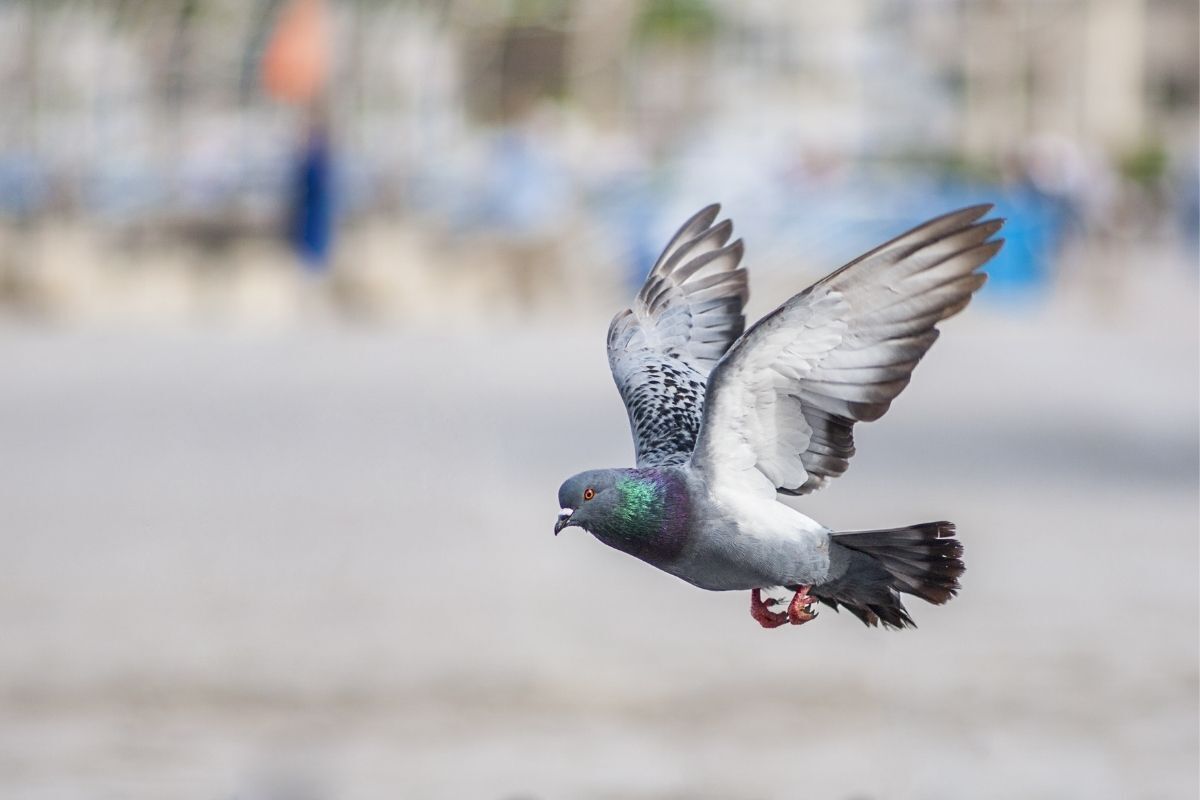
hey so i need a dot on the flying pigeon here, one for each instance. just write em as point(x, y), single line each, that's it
point(724, 421)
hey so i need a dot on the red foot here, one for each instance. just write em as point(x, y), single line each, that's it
point(800, 610)
point(762, 613)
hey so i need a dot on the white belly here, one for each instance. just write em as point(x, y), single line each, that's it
point(770, 545)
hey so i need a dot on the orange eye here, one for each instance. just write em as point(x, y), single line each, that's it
point(589, 493)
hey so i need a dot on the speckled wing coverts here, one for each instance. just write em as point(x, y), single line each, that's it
point(783, 401)
point(687, 314)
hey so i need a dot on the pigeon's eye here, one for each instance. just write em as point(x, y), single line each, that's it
point(589, 493)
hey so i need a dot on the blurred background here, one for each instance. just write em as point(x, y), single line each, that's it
point(302, 316)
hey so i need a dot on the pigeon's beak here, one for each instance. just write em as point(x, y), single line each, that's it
point(564, 519)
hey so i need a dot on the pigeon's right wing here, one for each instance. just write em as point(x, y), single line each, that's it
point(783, 401)
point(687, 314)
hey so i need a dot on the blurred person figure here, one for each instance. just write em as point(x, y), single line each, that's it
point(311, 216)
point(295, 70)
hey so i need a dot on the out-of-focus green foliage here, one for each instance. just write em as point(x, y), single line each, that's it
point(543, 11)
point(947, 164)
point(1145, 164)
point(676, 20)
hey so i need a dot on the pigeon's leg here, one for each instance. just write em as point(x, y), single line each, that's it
point(762, 613)
point(800, 610)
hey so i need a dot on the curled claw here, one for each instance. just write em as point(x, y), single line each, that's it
point(762, 613)
point(800, 610)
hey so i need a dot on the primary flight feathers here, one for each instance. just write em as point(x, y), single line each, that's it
point(784, 396)
point(684, 319)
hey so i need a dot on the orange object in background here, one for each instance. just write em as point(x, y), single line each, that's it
point(295, 64)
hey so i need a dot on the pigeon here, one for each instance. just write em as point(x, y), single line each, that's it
point(726, 419)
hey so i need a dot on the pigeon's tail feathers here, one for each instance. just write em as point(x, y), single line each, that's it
point(923, 560)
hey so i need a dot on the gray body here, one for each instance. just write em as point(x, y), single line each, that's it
point(729, 549)
point(726, 542)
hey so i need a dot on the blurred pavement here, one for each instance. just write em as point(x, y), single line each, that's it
point(319, 563)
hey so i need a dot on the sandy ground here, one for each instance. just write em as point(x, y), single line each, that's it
point(319, 564)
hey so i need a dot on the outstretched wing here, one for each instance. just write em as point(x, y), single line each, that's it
point(783, 401)
point(684, 318)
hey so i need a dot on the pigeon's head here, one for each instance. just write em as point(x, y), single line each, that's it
point(587, 499)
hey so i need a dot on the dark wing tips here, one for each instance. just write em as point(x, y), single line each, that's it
point(927, 233)
point(947, 225)
point(738, 248)
point(957, 225)
point(990, 248)
point(701, 220)
point(678, 254)
point(722, 230)
point(696, 225)
point(990, 226)
point(984, 230)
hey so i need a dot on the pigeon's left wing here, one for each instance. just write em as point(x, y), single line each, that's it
point(662, 349)
point(783, 401)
